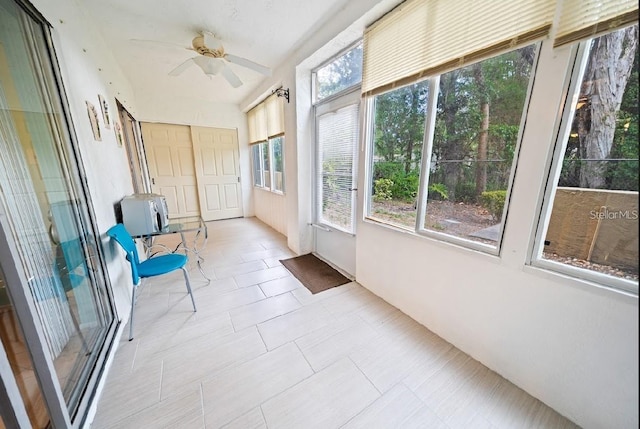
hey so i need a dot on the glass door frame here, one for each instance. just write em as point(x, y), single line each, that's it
point(23, 302)
point(342, 254)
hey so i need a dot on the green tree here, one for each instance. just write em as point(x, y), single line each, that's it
point(608, 70)
point(343, 72)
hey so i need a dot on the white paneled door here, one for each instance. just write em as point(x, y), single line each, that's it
point(197, 169)
point(217, 158)
point(171, 167)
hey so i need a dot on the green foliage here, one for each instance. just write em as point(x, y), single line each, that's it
point(386, 169)
point(405, 186)
point(343, 72)
point(438, 191)
point(494, 202)
point(466, 192)
point(623, 175)
point(382, 189)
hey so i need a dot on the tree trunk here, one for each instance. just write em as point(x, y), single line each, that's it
point(451, 148)
point(483, 137)
point(605, 80)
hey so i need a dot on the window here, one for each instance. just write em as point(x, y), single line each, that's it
point(337, 137)
point(277, 155)
point(398, 137)
point(447, 90)
point(257, 151)
point(591, 226)
point(266, 135)
point(473, 123)
point(266, 170)
point(343, 72)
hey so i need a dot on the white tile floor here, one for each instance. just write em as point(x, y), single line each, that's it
point(263, 352)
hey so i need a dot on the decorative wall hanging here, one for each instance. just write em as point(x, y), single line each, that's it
point(105, 112)
point(93, 119)
point(118, 130)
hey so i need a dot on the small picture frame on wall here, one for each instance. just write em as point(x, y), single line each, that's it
point(118, 130)
point(93, 120)
point(105, 112)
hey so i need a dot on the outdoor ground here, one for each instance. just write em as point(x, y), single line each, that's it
point(458, 219)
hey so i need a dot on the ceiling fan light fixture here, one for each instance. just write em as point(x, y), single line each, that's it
point(210, 66)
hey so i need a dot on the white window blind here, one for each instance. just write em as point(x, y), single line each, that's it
point(426, 37)
point(274, 115)
point(337, 142)
point(583, 19)
point(266, 120)
point(257, 122)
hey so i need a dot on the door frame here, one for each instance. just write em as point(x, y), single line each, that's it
point(342, 242)
point(23, 302)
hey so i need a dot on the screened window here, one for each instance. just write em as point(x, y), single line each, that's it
point(592, 227)
point(341, 73)
point(473, 123)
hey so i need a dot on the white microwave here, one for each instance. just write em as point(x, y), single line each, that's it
point(144, 214)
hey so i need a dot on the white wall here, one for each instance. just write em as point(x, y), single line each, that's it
point(271, 209)
point(572, 344)
point(88, 69)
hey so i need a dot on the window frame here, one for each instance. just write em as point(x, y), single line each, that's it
point(425, 161)
point(562, 129)
point(268, 146)
point(314, 77)
point(272, 164)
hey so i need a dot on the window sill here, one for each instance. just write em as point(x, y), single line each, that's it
point(440, 240)
point(271, 191)
point(581, 277)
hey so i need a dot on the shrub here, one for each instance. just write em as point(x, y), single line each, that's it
point(438, 191)
point(494, 202)
point(387, 169)
point(382, 189)
point(405, 186)
point(466, 192)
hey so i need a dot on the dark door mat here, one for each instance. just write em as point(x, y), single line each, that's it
point(315, 274)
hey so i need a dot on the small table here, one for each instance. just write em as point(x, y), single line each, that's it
point(181, 226)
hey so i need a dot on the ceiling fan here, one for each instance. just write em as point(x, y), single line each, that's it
point(213, 60)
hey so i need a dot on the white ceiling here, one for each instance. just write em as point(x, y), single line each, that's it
point(149, 39)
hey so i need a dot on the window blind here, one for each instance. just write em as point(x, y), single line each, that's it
point(266, 120)
point(257, 122)
point(337, 144)
point(583, 19)
point(421, 38)
point(275, 115)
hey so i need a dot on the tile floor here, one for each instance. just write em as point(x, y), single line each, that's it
point(263, 352)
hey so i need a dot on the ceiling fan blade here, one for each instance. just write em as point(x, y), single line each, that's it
point(181, 68)
point(231, 77)
point(248, 64)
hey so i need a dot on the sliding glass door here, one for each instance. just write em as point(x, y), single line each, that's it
point(54, 279)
